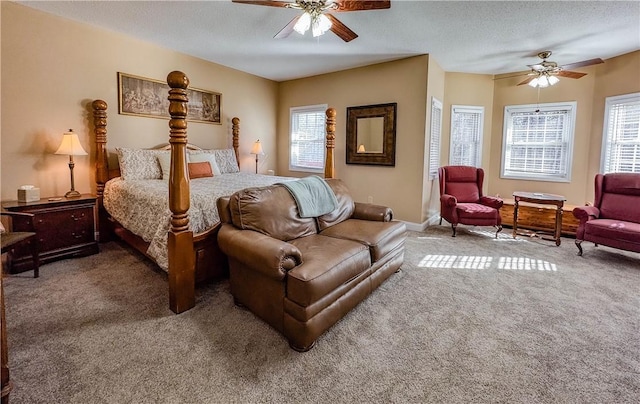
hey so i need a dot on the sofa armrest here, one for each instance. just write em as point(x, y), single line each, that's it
point(368, 211)
point(268, 255)
point(586, 213)
point(491, 201)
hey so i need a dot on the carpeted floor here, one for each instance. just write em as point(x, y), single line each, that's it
point(469, 319)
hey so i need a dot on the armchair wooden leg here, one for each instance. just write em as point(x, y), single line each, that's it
point(579, 247)
point(440, 221)
point(453, 227)
point(499, 230)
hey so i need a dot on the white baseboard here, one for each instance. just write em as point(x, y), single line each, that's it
point(435, 219)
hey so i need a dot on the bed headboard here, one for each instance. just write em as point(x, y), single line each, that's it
point(103, 172)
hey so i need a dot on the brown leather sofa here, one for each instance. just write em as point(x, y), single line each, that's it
point(302, 275)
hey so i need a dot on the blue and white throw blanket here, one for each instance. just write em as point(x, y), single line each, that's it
point(313, 196)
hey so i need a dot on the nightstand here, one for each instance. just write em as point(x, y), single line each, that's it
point(66, 228)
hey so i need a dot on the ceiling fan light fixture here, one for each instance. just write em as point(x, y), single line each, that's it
point(321, 24)
point(544, 80)
point(303, 24)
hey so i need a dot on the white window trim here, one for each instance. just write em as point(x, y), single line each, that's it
point(571, 106)
point(435, 138)
point(474, 110)
point(310, 108)
point(609, 102)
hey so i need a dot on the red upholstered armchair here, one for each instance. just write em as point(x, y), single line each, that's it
point(461, 199)
point(614, 218)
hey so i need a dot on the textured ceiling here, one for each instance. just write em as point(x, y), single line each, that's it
point(488, 37)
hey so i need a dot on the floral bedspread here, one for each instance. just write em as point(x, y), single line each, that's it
point(142, 206)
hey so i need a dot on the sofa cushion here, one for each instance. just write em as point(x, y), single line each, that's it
point(269, 210)
point(476, 211)
point(614, 229)
point(345, 209)
point(327, 264)
point(379, 237)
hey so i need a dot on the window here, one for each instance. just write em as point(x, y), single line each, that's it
point(538, 141)
point(466, 135)
point(621, 134)
point(307, 138)
point(434, 143)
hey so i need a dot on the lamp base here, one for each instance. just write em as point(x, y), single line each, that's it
point(72, 194)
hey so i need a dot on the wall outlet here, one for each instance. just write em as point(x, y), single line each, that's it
point(369, 199)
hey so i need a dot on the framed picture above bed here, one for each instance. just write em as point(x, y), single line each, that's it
point(147, 97)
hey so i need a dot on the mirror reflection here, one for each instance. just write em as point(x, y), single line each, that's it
point(370, 135)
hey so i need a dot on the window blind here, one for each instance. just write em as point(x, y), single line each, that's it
point(307, 138)
point(466, 135)
point(621, 134)
point(434, 142)
point(538, 141)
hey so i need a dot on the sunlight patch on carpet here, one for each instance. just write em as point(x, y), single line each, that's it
point(456, 262)
point(526, 264)
point(485, 262)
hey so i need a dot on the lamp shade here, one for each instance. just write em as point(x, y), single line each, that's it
point(257, 148)
point(71, 145)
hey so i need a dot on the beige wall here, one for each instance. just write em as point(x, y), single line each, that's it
point(404, 82)
point(53, 68)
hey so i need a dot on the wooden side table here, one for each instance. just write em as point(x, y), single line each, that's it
point(65, 227)
point(541, 199)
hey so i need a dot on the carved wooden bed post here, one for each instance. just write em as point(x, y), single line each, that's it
point(329, 169)
point(180, 238)
point(102, 166)
point(236, 134)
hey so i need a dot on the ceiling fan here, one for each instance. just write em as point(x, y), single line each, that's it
point(545, 73)
point(317, 15)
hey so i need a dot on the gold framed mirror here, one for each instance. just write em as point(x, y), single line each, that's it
point(371, 134)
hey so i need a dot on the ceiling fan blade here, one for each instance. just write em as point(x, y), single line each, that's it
point(341, 30)
point(571, 75)
point(288, 29)
point(582, 64)
point(351, 5)
point(527, 80)
point(264, 3)
point(512, 75)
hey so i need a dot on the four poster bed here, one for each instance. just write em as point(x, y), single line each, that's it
point(184, 241)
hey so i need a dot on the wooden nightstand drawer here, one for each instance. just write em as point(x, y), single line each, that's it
point(65, 228)
point(59, 229)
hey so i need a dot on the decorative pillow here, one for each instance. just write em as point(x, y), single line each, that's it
point(226, 159)
point(200, 170)
point(164, 159)
point(139, 164)
point(205, 157)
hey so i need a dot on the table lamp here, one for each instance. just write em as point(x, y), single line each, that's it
point(71, 146)
point(257, 150)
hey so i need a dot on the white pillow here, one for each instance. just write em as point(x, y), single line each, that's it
point(164, 159)
point(202, 157)
point(139, 164)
